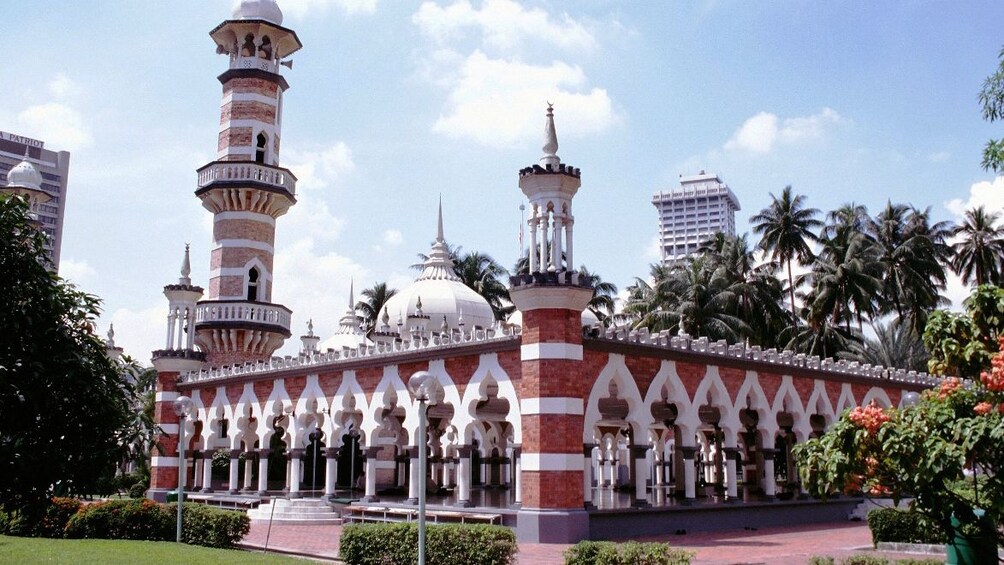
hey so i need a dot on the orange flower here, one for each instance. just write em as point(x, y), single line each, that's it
point(983, 408)
point(870, 417)
point(949, 386)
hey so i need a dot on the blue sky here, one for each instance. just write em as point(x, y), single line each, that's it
point(393, 104)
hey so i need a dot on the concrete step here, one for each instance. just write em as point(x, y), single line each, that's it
point(300, 510)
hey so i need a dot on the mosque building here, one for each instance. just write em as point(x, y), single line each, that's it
point(562, 433)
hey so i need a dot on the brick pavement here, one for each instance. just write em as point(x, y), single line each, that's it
point(774, 546)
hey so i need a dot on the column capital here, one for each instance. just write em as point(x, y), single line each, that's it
point(296, 453)
point(235, 453)
point(264, 452)
point(371, 451)
point(332, 452)
point(411, 451)
point(731, 452)
point(208, 453)
point(464, 451)
point(688, 451)
point(768, 454)
point(639, 451)
point(587, 449)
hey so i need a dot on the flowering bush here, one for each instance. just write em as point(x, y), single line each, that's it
point(929, 451)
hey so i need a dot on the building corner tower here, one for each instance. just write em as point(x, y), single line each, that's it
point(551, 300)
point(246, 189)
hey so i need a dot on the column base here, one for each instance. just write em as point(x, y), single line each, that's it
point(262, 492)
point(552, 526)
point(412, 501)
point(464, 504)
point(770, 498)
point(234, 491)
point(158, 495)
point(587, 506)
point(639, 503)
point(205, 490)
point(296, 495)
point(368, 499)
point(688, 501)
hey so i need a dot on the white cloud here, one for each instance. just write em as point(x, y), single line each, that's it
point(762, 132)
point(500, 102)
point(320, 168)
point(62, 86)
point(77, 272)
point(393, 237)
point(501, 24)
point(985, 193)
point(300, 9)
point(653, 251)
point(58, 124)
point(140, 332)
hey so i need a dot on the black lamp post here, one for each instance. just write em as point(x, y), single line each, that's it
point(353, 438)
point(315, 437)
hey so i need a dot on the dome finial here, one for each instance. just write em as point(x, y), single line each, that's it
point(550, 140)
point(352, 295)
point(186, 268)
point(111, 335)
point(439, 225)
point(310, 327)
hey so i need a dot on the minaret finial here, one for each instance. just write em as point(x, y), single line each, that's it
point(439, 225)
point(111, 335)
point(310, 327)
point(550, 140)
point(186, 269)
point(352, 295)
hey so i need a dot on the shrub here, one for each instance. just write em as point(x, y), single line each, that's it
point(57, 515)
point(898, 526)
point(446, 544)
point(610, 553)
point(122, 519)
point(821, 560)
point(211, 527)
point(138, 490)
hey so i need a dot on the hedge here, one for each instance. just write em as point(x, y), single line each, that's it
point(899, 526)
point(121, 519)
point(50, 525)
point(147, 520)
point(446, 544)
point(632, 552)
point(211, 527)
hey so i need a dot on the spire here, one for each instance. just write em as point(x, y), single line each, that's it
point(550, 141)
point(352, 295)
point(439, 265)
point(310, 327)
point(111, 335)
point(439, 225)
point(186, 269)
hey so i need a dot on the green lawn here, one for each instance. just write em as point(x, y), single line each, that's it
point(103, 552)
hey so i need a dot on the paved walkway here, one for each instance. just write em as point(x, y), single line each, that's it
point(775, 546)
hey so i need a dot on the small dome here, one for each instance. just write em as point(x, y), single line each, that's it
point(339, 341)
point(24, 175)
point(266, 10)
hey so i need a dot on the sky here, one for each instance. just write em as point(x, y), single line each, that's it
point(394, 104)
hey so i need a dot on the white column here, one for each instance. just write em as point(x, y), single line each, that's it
point(769, 486)
point(533, 244)
point(294, 472)
point(248, 471)
point(197, 478)
point(170, 329)
point(181, 329)
point(207, 471)
point(464, 476)
point(543, 243)
point(689, 480)
point(446, 472)
point(414, 475)
point(731, 473)
point(556, 242)
point(235, 465)
point(262, 470)
point(517, 453)
point(611, 470)
point(191, 328)
point(640, 473)
point(330, 471)
point(371, 475)
point(587, 473)
point(568, 243)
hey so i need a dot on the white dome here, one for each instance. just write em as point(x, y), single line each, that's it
point(24, 175)
point(442, 297)
point(266, 10)
point(341, 340)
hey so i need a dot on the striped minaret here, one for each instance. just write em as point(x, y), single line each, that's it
point(552, 390)
point(246, 189)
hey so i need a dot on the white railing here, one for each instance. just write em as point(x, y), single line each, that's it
point(207, 312)
point(784, 358)
point(238, 171)
point(371, 351)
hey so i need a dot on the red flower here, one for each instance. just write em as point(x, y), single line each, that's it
point(983, 408)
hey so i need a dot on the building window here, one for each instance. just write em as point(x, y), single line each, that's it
point(259, 154)
point(224, 427)
point(253, 285)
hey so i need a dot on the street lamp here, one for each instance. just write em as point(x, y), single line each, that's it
point(910, 399)
point(182, 408)
point(353, 439)
point(315, 438)
point(424, 386)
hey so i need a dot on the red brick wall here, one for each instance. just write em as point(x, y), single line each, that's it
point(552, 489)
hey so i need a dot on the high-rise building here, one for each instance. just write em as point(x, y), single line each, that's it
point(54, 166)
point(693, 213)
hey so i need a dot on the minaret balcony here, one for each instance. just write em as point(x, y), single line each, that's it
point(239, 314)
point(243, 173)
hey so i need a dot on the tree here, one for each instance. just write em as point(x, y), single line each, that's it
point(979, 251)
point(376, 297)
point(64, 409)
point(992, 99)
point(894, 345)
point(482, 273)
point(604, 293)
point(786, 229)
point(961, 344)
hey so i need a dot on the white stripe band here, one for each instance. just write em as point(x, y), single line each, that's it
point(253, 216)
point(236, 272)
point(535, 351)
point(551, 462)
point(247, 243)
point(158, 461)
point(169, 428)
point(165, 396)
point(557, 405)
point(232, 96)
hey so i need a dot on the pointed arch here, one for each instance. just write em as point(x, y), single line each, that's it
point(616, 371)
point(489, 370)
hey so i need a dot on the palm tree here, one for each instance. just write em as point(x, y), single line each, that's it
point(482, 274)
point(979, 253)
point(786, 228)
point(375, 299)
point(895, 345)
point(602, 302)
point(846, 280)
point(910, 251)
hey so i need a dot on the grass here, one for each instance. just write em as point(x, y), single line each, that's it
point(102, 552)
